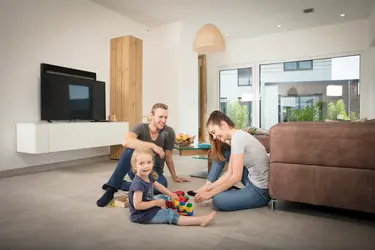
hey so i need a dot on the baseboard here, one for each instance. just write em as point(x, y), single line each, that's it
point(51, 166)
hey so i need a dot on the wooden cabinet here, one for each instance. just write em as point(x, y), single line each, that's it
point(126, 62)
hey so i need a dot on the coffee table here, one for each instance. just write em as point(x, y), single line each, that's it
point(198, 152)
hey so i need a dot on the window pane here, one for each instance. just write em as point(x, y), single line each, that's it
point(290, 66)
point(236, 99)
point(305, 65)
point(244, 77)
point(223, 104)
point(354, 100)
point(329, 91)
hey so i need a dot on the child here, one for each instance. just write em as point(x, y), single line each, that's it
point(143, 207)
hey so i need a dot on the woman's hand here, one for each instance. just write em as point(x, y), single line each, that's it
point(202, 196)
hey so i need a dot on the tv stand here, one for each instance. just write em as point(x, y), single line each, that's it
point(39, 138)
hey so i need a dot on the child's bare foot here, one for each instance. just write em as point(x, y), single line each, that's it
point(207, 219)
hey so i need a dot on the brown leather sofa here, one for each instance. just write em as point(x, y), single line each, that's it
point(264, 139)
point(324, 163)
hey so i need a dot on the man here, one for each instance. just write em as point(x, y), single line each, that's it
point(155, 135)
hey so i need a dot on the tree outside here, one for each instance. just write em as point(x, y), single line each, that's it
point(238, 114)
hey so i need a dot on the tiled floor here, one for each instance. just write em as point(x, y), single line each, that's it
point(57, 210)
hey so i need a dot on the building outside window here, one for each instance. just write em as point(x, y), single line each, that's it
point(308, 90)
point(315, 90)
point(300, 65)
point(223, 104)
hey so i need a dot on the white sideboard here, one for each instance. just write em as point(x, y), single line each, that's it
point(38, 138)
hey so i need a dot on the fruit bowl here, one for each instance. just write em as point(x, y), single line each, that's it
point(183, 139)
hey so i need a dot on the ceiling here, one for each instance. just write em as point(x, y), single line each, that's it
point(242, 18)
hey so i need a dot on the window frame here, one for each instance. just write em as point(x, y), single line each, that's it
point(298, 67)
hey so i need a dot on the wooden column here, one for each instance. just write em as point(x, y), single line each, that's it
point(126, 83)
point(202, 136)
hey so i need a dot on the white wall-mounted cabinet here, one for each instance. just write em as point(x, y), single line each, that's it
point(38, 138)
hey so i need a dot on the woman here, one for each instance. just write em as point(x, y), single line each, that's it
point(248, 163)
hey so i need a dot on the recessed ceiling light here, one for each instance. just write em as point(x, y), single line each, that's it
point(342, 14)
point(227, 34)
point(278, 26)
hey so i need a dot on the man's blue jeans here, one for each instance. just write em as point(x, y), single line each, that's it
point(124, 167)
point(248, 197)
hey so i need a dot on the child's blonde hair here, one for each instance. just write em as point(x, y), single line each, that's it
point(138, 152)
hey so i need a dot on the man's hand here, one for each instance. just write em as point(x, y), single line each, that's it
point(180, 179)
point(202, 196)
point(159, 151)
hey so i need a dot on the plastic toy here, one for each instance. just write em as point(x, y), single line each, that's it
point(121, 201)
point(180, 193)
point(180, 205)
point(185, 209)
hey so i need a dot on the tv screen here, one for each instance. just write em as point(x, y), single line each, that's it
point(71, 98)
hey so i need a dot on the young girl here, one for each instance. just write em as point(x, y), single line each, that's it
point(143, 207)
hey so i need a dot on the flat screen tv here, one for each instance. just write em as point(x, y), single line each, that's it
point(71, 98)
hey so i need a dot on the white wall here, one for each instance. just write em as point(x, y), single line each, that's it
point(68, 33)
point(319, 42)
point(372, 28)
point(367, 84)
point(188, 81)
point(171, 75)
point(160, 71)
point(368, 73)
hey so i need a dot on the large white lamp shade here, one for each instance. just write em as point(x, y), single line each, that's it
point(209, 40)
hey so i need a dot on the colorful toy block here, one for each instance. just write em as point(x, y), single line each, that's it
point(180, 193)
point(181, 205)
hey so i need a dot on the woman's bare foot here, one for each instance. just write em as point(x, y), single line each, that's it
point(207, 219)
